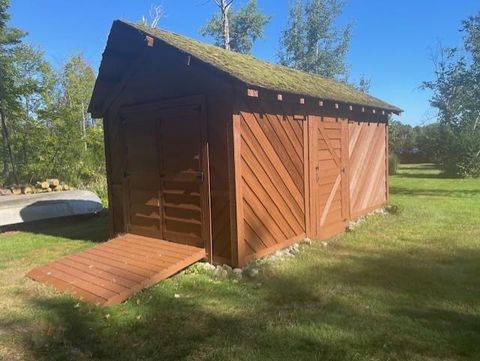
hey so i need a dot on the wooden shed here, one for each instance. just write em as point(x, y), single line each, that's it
point(221, 151)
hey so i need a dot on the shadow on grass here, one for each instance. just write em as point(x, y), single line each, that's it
point(454, 193)
point(423, 175)
point(423, 171)
point(169, 329)
point(416, 167)
point(89, 227)
point(368, 306)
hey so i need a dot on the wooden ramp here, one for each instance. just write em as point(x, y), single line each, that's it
point(112, 271)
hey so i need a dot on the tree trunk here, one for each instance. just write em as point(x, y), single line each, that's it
point(224, 7)
point(84, 126)
point(7, 147)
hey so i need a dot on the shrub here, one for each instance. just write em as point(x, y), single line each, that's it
point(392, 164)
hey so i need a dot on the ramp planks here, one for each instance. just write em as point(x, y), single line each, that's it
point(112, 271)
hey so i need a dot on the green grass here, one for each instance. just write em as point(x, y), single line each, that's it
point(401, 286)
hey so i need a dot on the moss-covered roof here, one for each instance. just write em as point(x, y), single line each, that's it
point(261, 74)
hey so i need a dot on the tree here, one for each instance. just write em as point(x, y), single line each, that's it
point(429, 142)
point(78, 82)
point(33, 82)
point(401, 138)
point(72, 126)
point(49, 132)
point(311, 42)
point(155, 14)
point(9, 38)
point(364, 84)
point(224, 6)
point(455, 95)
point(236, 30)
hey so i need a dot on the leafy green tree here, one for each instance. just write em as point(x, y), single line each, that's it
point(428, 141)
point(364, 84)
point(72, 125)
point(311, 42)
point(419, 144)
point(9, 38)
point(33, 80)
point(455, 95)
point(46, 130)
point(245, 26)
point(401, 138)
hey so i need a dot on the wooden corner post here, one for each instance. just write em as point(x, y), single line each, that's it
point(387, 164)
point(235, 186)
point(306, 175)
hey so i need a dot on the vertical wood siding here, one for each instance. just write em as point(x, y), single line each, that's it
point(149, 85)
point(367, 153)
point(219, 114)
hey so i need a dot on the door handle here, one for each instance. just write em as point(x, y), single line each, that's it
point(317, 172)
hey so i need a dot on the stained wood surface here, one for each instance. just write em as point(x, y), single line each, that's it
point(112, 271)
point(270, 173)
point(165, 76)
point(368, 167)
point(330, 184)
point(149, 85)
point(167, 173)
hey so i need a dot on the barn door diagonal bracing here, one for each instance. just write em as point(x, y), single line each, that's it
point(328, 162)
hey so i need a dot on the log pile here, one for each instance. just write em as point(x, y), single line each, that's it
point(47, 185)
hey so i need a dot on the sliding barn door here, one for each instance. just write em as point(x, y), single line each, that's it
point(166, 180)
point(329, 176)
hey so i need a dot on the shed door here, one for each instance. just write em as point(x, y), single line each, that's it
point(330, 183)
point(166, 173)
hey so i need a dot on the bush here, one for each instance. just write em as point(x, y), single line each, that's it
point(459, 152)
point(392, 164)
point(98, 185)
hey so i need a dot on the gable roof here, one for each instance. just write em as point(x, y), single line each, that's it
point(260, 74)
point(254, 72)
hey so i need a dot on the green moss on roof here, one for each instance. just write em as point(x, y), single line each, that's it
point(261, 74)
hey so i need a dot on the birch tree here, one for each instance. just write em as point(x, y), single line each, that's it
point(156, 13)
point(224, 6)
point(236, 30)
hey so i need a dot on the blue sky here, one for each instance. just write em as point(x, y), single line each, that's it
point(392, 40)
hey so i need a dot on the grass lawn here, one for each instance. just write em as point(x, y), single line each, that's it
point(401, 286)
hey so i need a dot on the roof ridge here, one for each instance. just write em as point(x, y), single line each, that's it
point(279, 78)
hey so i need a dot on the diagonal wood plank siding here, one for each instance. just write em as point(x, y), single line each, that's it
point(367, 153)
point(272, 179)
